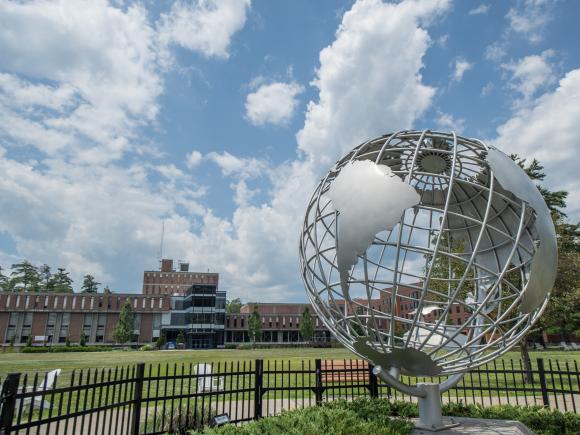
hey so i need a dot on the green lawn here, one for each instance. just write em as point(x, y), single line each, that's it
point(162, 363)
point(41, 362)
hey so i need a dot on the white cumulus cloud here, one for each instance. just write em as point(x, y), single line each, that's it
point(273, 103)
point(460, 67)
point(548, 129)
point(369, 80)
point(530, 17)
point(482, 9)
point(193, 159)
point(531, 74)
point(205, 26)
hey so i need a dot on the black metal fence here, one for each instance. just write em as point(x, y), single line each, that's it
point(156, 399)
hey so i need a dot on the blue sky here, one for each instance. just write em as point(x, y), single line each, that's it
point(218, 117)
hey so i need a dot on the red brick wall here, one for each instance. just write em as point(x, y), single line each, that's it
point(39, 325)
point(75, 327)
point(112, 319)
point(146, 332)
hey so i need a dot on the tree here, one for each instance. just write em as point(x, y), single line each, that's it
point(180, 339)
point(254, 326)
point(46, 278)
point(25, 277)
point(566, 295)
point(123, 332)
point(162, 340)
point(233, 306)
point(90, 285)
point(29, 341)
point(83, 339)
point(306, 325)
point(61, 281)
point(3, 281)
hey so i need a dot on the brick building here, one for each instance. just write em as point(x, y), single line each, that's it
point(280, 323)
point(169, 281)
point(54, 316)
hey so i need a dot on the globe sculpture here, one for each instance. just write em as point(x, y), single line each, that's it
point(427, 254)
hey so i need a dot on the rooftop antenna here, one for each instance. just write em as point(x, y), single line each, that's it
point(161, 244)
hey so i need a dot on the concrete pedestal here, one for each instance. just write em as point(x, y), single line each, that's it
point(477, 426)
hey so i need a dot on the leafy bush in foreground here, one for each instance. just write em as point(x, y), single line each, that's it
point(379, 416)
point(333, 418)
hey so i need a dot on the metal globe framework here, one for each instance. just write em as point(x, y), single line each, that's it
point(480, 240)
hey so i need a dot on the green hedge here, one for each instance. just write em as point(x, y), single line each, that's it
point(45, 349)
point(379, 416)
point(362, 416)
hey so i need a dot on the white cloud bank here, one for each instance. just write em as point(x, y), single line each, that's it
point(548, 129)
point(105, 217)
point(273, 103)
point(369, 80)
point(78, 80)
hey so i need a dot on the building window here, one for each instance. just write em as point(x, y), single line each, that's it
point(64, 325)
point(55, 302)
point(27, 301)
point(83, 303)
point(92, 303)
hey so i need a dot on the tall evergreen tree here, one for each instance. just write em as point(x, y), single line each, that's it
point(25, 277)
point(307, 325)
point(46, 278)
point(61, 281)
point(90, 285)
point(123, 331)
point(3, 281)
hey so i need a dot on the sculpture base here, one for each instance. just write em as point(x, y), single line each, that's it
point(433, 428)
point(477, 426)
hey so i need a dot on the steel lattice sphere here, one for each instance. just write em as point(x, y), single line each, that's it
point(427, 252)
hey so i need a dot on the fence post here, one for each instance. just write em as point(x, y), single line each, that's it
point(373, 383)
point(318, 382)
point(137, 396)
point(543, 386)
point(258, 384)
point(8, 401)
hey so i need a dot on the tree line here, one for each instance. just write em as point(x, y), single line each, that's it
point(26, 277)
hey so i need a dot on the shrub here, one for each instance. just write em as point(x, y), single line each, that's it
point(83, 340)
point(542, 421)
point(57, 349)
point(147, 347)
point(177, 422)
point(338, 417)
point(29, 341)
point(162, 340)
point(379, 416)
